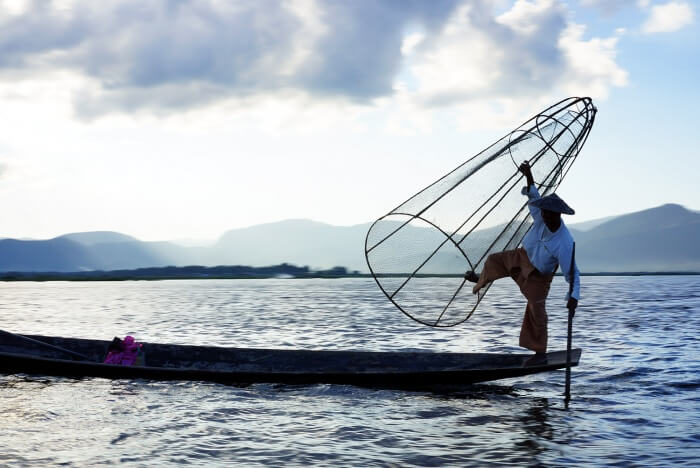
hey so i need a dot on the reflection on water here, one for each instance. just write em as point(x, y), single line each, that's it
point(635, 395)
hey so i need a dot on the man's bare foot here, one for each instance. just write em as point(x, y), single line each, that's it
point(471, 276)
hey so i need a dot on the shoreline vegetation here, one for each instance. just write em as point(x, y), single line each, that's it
point(283, 270)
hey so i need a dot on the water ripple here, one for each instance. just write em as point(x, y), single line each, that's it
point(635, 394)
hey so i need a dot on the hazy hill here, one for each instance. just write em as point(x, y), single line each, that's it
point(668, 216)
point(59, 254)
point(98, 237)
point(659, 239)
point(113, 251)
point(588, 225)
point(85, 251)
point(297, 241)
point(664, 238)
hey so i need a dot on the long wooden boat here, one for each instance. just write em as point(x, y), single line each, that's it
point(75, 357)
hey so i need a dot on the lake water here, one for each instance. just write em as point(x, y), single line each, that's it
point(635, 393)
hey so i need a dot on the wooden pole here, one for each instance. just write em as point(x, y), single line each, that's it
point(572, 311)
point(567, 391)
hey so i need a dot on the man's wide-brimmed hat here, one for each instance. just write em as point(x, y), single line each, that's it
point(553, 203)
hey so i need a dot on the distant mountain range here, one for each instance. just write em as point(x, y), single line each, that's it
point(665, 238)
point(661, 239)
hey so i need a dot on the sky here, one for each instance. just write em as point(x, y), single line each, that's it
point(172, 120)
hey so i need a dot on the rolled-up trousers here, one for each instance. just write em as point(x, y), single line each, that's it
point(534, 286)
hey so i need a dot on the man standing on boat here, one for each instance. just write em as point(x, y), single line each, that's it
point(546, 246)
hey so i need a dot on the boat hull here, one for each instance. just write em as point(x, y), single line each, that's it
point(245, 365)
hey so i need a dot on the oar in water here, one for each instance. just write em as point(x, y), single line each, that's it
point(572, 311)
point(47, 345)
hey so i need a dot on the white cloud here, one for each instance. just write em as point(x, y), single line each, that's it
point(495, 70)
point(609, 6)
point(669, 17)
point(13, 7)
point(222, 113)
point(591, 64)
point(166, 55)
point(411, 41)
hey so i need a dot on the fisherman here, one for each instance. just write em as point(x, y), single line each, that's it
point(546, 246)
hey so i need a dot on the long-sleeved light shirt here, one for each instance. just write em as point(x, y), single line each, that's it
point(547, 249)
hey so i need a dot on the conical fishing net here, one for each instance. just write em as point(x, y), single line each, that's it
point(419, 252)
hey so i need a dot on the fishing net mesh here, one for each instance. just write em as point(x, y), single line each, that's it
point(419, 252)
